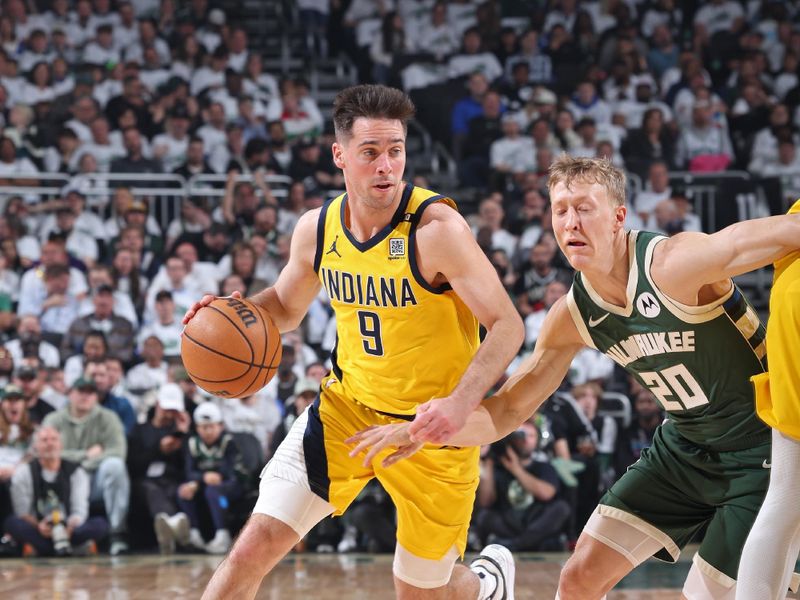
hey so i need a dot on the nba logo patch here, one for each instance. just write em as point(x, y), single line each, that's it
point(397, 247)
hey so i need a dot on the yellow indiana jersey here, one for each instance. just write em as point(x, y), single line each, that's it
point(778, 391)
point(400, 341)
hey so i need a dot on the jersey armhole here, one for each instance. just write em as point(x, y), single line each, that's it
point(577, 318)
point(412, 251)
point(321, 235)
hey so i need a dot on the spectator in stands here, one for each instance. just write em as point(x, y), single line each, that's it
point(134, 161)
point(213, 474)
point(6, 366)
point(16, 432)
point(540, 67)
point(491, 216)
point(166, 327)
point(156, 462)
point(93, 347)
point(54, 391)
point(211, 77)
point(512, 154)
point(97, 371)
point(59, 307)
point(587, 132)
point(656, 189)
point(765, 144)
point(704, 146)
point(258, 84)
point(535, 274)
point(534, 321)
point(171, 147)
point(29, 342)
point(388, 48)
point(786, 168)
point(150, 373)
point(194, 218)
point(301, 116)
point(124, 202)
point(526, 220)
point(314, 166)
point(585, 102)
point(222, 158)
point(178, 284)
point(102, 275)
point(518, 495)
point(482, 131)
point(78, 243)
point(652, 142)
point(212, 244)
point(51, 502)
point(130, 280)
point(93, 436)
point(29, 377)
point(118, 330)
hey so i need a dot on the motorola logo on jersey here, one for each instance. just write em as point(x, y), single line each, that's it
point(647, 305)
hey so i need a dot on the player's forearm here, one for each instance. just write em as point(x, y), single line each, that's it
point(270, 301)
point(761, 242)
point(524, 392)
point(500, 346)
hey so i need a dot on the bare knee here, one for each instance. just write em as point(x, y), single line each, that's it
point(583, 579)
point(262, 543)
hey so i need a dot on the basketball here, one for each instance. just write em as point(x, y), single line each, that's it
point(231, 348)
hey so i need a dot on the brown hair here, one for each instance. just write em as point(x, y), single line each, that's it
point(26, 428)
point(372, 102)
point(568, 170)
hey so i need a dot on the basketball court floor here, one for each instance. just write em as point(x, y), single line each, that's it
point(299, 576)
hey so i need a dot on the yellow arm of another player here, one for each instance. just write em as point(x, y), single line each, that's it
point(288, 300)
point(685, 263)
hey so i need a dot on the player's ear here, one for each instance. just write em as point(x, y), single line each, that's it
point(338, 155)
point(619, 215)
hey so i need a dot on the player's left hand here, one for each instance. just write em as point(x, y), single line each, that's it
point(438, 420)
point(374, 440)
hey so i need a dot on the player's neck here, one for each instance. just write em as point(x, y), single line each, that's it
point(364, 220)
point(610, 278)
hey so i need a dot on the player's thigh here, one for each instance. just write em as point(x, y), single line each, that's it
point(722, 545)
point(313, 457)
point(434, 493)
point(651, 497)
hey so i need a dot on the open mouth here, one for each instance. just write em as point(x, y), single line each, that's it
point(383, 186)
point(575, 244)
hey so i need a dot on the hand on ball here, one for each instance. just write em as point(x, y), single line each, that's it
point(204, 301)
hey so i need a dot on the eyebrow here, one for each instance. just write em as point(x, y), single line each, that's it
point(376, 142)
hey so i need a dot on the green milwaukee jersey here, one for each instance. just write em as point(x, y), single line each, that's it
point(697, 360)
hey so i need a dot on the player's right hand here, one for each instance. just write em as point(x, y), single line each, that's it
point(204, 301)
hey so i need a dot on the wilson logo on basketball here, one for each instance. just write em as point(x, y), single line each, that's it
point(244, 313)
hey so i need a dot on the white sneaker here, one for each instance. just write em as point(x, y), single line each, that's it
point(221, 542)
point(196, 540)
point(496, 562)
point(164, 534)
point(179, 524)
point(349, 540)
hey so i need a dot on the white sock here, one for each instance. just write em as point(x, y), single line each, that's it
point(769, 555)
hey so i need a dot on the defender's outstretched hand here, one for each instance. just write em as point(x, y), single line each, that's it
point(438, 420)
point(374, 440)
point(204, 301)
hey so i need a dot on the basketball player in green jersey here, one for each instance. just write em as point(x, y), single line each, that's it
point(667, 311)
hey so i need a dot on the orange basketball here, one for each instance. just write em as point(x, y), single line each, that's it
point(231, 348)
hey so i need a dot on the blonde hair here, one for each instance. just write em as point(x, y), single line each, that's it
point(568, 169)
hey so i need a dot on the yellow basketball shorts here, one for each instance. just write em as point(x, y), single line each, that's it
point(433, 490)
point(778, 391)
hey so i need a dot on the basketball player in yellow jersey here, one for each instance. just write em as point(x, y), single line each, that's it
point(773, 544)
point(409, 285)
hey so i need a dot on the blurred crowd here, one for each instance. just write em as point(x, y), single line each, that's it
point(104, 438)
